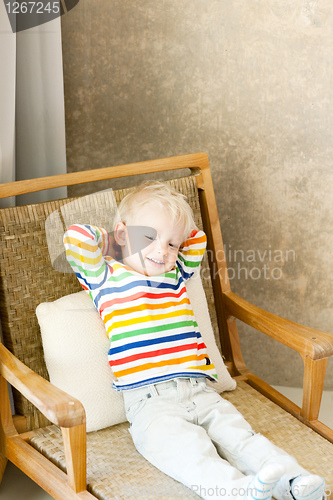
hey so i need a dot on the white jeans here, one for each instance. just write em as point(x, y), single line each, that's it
point(188, 431)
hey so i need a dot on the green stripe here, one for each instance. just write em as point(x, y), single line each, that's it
point(189, 263)
point(127, 274)
point(170, 274)
point(152, 329)
point(122, 276)
point(93, 273)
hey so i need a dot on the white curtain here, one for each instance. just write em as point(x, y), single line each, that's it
point(32, 129)
point(7, 101)
point(32, 118)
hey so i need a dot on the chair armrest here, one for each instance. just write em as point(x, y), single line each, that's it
point(60, 408)
point(309, 342)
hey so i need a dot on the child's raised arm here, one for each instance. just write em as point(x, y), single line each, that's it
point(191, 253)
point(86, 247)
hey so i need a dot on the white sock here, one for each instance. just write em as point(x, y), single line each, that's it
point(309, 487)
point(262, 485)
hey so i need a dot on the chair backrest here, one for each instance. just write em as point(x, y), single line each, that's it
point(28, 278)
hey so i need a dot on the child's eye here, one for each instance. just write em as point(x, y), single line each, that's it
point(175, 247)
point(150, 238)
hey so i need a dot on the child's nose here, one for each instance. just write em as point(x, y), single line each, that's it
point(162, 247)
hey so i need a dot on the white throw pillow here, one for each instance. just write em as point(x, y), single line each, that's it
point(76, 346)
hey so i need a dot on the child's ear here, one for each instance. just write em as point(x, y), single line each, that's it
point(120, 234)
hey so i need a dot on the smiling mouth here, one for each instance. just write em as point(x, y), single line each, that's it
point(155, 261)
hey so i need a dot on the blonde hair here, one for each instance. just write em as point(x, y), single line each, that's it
point(163, 195)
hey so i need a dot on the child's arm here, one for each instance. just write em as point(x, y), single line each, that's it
point(86, 247)
point(191, 253)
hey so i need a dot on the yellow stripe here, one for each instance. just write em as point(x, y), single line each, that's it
point(152, 317)
point(81, 244)
point(117, 266)
point(149, 366)
point(201, 367)
point(82, 258)
point(193, 251)
point(146, 307)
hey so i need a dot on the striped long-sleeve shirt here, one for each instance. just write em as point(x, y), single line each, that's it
point(149, 320)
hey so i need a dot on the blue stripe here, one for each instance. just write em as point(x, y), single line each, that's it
point(94, 233)
point(149, 342)
point(132, 285)
point(186, 275)
point(93, 286)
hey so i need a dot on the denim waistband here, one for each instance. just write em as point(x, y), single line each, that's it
point(157, 389)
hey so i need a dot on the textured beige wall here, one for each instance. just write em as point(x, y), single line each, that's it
point(250, 83)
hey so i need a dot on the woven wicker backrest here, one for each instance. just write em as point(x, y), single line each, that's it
point(28, 278)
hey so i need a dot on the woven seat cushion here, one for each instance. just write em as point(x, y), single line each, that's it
point(116, 470)
point(76, 345)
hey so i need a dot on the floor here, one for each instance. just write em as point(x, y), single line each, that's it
point(16, 485)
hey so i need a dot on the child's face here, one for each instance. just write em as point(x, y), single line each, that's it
point(160, 246)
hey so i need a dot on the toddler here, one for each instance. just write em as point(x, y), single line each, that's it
point(159, 360)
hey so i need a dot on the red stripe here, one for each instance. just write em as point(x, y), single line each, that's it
point(81, 230)
point(138, 295)
point(153, 354)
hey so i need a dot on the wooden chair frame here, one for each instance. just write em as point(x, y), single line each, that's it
point(60, 408)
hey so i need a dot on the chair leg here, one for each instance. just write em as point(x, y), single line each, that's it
point(3, 463)
point(76, 456)
point(3, 459)
point(6, 424)
point(314, 376)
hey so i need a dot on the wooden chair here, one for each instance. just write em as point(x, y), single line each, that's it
point(47, 437)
